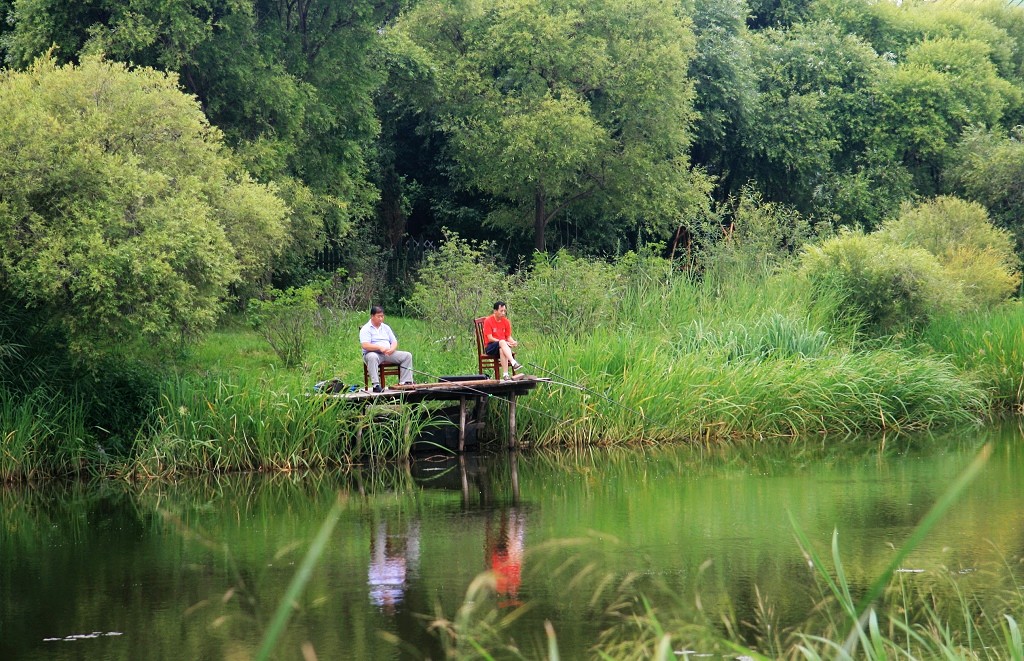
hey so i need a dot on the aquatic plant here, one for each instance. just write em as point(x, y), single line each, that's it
point(41, 434)
point(237, 423)
point(989, 345)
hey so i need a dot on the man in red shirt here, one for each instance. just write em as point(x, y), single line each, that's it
point(498, 336)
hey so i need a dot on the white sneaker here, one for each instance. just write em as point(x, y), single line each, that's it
point(516, 366)
point(505, 377)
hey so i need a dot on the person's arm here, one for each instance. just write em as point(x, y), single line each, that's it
point(364, 340)
point(394, 343)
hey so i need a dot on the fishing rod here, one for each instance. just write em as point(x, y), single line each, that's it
point(569, 382)
point(483, 393)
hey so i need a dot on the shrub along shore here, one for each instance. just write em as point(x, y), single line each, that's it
point(641, 352)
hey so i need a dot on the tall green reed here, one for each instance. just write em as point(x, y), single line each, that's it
point(989, 345)
point(663, 393)
point(236, 422)
point(41, 434)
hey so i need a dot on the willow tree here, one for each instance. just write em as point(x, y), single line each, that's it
point(551, 104)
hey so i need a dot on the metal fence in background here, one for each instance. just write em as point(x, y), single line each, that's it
point(400, 261)
point(385, 281)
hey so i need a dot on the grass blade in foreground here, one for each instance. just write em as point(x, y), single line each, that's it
point(858, 613)
point(284, 609)
point(927, 523)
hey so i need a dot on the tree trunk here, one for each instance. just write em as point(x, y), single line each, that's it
point(540, 221)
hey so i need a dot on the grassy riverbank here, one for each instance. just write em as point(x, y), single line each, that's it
point(676, 360)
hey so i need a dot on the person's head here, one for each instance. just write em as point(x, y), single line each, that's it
point(376, 314)
point(499, 309)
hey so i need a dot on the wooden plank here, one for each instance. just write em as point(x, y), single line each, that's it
point(518, 379)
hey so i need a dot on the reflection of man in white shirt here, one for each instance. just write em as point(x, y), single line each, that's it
point(381, 346)
point(390, 558)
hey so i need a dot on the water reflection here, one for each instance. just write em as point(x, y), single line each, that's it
point(196, 569)
point(394, 555)
point(504, 546)
point(488, 502)
point(484, 481)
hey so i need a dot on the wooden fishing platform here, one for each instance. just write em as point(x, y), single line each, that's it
point(465, 392)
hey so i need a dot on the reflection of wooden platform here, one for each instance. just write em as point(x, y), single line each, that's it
point(477, 391)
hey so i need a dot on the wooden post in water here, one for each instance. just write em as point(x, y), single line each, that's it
point(512, 421)
point(462, 424)
point(464, 478)
point(514, 466)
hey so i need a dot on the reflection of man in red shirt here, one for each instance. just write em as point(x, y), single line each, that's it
point(499, 340)
point(506, 557)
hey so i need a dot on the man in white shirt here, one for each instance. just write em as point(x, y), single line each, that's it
point(381, 346)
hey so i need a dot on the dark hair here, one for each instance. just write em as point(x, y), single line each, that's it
point(374, 309)
point(499, 304)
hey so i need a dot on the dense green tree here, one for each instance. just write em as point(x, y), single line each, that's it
point(987, 166)
point(925, 101)
point(121, 213)
point(775, 13)
point(808, 142)
point(550, 106)
point(726, 89)
point(290, 82)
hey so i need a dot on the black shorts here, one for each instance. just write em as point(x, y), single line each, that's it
point(491, 349)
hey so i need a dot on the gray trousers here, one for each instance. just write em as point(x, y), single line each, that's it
point(403, 359)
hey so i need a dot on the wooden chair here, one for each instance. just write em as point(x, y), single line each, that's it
point(482, 359)
point(384, 370)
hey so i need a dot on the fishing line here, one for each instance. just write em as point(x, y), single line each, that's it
point(578, 386)
point(486, 394)
point(565, 381)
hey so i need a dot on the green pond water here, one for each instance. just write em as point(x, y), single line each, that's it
point(195, 569)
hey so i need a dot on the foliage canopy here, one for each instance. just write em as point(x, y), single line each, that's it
point(549, 106)
point(121, 213)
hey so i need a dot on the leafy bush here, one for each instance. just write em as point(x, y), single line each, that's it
point(973, 251)
point(564, 294)
point(751, 234)
point(884, 285)
point(122, 215)
point(457, 283)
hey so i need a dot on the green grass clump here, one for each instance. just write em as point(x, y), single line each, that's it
point(41, 434)
point(989, 345)
point(663, 396)
point(240, 423)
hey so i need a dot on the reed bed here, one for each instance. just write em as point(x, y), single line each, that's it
point(239, 423)
point(725, 361)
point(989, 345)
point(41, 434)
